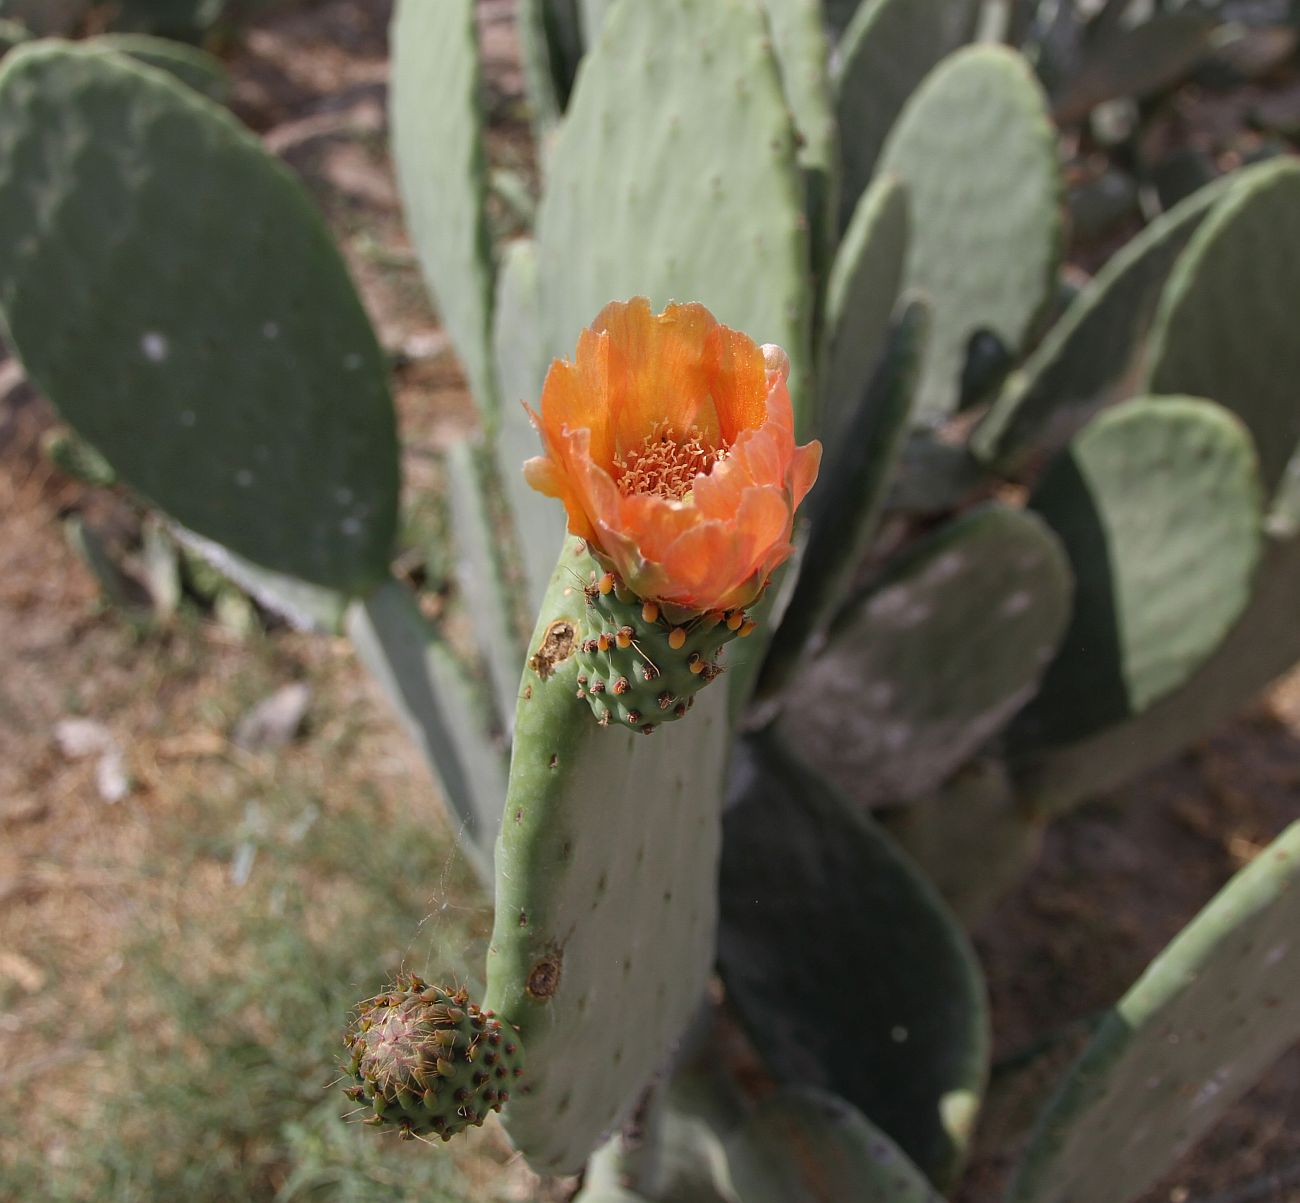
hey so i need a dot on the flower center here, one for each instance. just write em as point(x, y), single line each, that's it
point(666, 464)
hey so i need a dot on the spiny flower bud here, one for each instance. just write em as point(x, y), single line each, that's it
point(429, 1062)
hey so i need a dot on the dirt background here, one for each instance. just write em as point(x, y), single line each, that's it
point(1116, 880)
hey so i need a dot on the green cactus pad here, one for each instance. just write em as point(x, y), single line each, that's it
point(860, 298)
point(606, 890)
point(486, 574)
point(1135, 60)
point(235, 380)
point(428, 1061)
point(521, 368)
point(1157, 503)
point(1208, 1016)
point(674, 176)
point(1226, 327)
point(935, 660)
point(845, 967)
point(629, 670)
point(976, 149)
point(845, 509)
point(446, 712)
point(550, 47)
point(799, 42)
point(889, 47)
point(1090, 355)
point(811, 1146)
point(438, 150)
point(800, 45)
point(1262, 645)
point(196, 68)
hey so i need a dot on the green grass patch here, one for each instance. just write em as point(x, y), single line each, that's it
point(212, 1071)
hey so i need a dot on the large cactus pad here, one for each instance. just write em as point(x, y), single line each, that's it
point(977, 152)
point(215, 353)
point(1157, 503)
point(606, 890)
point(1202, 1023)
point(674, 176)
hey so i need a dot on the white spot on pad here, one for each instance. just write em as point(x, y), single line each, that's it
point(243, 478)
point(154, 345)
point(946, 566)
point(1017, 603)
point(352, 360)
point(270, 329)
point(351, 527)
point(1275, 954)
point(188, 417)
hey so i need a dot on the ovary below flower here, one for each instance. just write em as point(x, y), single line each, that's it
point(670, 441)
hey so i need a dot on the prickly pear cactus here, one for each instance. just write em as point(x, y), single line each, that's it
point(978, 154)
point(217, 355)
point(887, 50)
point(1226, 325)
point(1202, 1023)
point(1157, 503)
point(428, 1061)
point(636, 666)
point(674, 175)
point(842, 963)
point(860, 295)
point(606, 890)
point(200, 70)
point(521, 368)
point(1090, 355)
point(933, 662)
point(441, 162)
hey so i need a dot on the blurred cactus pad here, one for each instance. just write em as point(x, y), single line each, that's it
point(1055, 542)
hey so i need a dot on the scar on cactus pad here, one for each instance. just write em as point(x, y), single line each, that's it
point(428, 1062)
point(670, 441)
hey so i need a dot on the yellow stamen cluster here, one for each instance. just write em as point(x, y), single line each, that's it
point(666, 464)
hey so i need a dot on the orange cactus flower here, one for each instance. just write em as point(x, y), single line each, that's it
point(670, 440)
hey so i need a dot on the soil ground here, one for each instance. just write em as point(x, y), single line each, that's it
point(79, 877)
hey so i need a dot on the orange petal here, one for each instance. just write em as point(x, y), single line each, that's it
point(659, 361)
point(737, 380)
point(575, 397)
point(804, 469)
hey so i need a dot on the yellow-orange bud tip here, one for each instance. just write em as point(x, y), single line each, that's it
point(676, 638)
point(650, 612)
point(606, 584)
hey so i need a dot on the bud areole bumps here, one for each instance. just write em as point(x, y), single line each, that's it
point(428, 1061)
point(670, 441)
